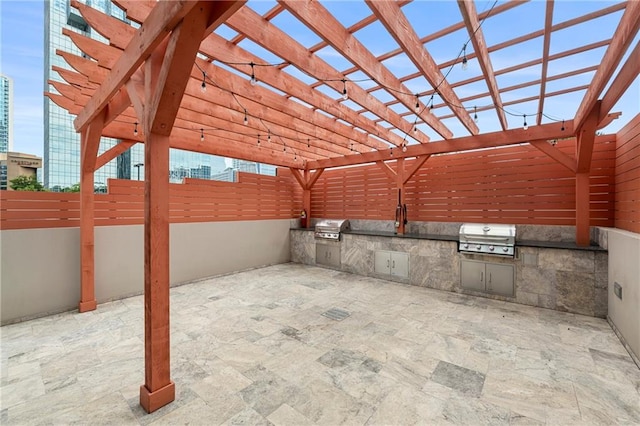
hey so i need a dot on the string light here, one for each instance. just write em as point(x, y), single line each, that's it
point(344, 90)
point(135, 129)
point(525, 126)
point(465, 62)
point(285, 148)
point(404, 146)
point(417, 103)
point(253, 80)
point(415, 129)
point(475, 114)
point(562, 128)
point(269, 135)
point(258, 139)
point(308, 145)
point(203, 86)
point(246, 120)
point(201, 135)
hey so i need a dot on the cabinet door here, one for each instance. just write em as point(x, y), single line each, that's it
point(322, 255)
point(472, 275)
point(333, 256)
point(400, 264)
point(382, 262)
point(500, 279)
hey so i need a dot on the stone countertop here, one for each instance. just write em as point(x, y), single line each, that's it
point(565, 245)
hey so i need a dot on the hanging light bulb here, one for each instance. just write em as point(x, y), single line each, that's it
point(246, 120)
point(308, 145)
point(391, 152)
point(135, 129)
point(417, 104)
point(285, 148)
point(269, 135)
point(253, 75)
point(344, 90)
point(351, 147)
point(258, 139)
point(203, 86)
point(404, 147)
point(475, 114)
point(562, 128)
point(201, 135)
point(415, 129)
point(431, 106)
point(295, 157)
point(465, 62)
point(525, 126)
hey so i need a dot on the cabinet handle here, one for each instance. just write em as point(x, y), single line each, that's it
point(489, 277)
point(481, 276)
point(387, 263)
point(393, 264)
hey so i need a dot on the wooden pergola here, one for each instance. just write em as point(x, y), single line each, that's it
point(177, 81)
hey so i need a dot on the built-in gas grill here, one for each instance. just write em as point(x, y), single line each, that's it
point(493, 239)
point(331, 229)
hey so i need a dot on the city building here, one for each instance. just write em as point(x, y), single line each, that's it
point(62, 143)
point(14, 164)
point(6, 113)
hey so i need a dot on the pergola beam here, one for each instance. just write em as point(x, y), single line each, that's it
point(325, 25)
point(627, 75)
point(470, 16)
point(391, 16)
point(548, 22)
point(162, 19)
point(484, 140)
point(622, 38)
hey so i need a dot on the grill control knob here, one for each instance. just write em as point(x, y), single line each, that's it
point(491, 248)
point(505, 249)
point(466, 246)
point(478, 247)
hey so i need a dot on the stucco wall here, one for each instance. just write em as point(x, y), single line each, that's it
point(624, 268)
point(40, 268)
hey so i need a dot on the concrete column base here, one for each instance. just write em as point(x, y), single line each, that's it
point(91, 305)
point(151, 401)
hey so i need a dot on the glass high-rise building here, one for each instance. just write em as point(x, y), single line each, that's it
point(6, 113)
point(62, 143)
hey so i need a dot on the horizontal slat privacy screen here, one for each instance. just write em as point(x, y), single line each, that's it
point(517, 184)
point(627, 205)
point(254, 197)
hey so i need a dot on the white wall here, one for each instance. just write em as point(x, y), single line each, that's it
point(624, 268)
point(40, 268)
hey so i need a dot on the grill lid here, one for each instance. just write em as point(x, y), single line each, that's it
point(493, 239)
point(332, 225)
point(495, 233)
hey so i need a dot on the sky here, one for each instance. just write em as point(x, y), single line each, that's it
point(22, 46)
point(22, 58)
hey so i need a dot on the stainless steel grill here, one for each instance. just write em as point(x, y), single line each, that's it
point(331, 229)
point(493, 239)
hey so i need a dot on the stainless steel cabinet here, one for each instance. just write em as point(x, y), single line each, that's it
point(329, 255)
point(392, 263)
point(496, 278)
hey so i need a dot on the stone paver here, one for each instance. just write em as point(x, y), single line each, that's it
point(255, 348)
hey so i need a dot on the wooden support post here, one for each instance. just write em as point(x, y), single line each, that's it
point(87, 251)
point(306, 182)
point(90, 140)
point(158, 389)
point(582, 209)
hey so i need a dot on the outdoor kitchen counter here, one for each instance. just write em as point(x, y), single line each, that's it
point(549, 274)
point(566, 245)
